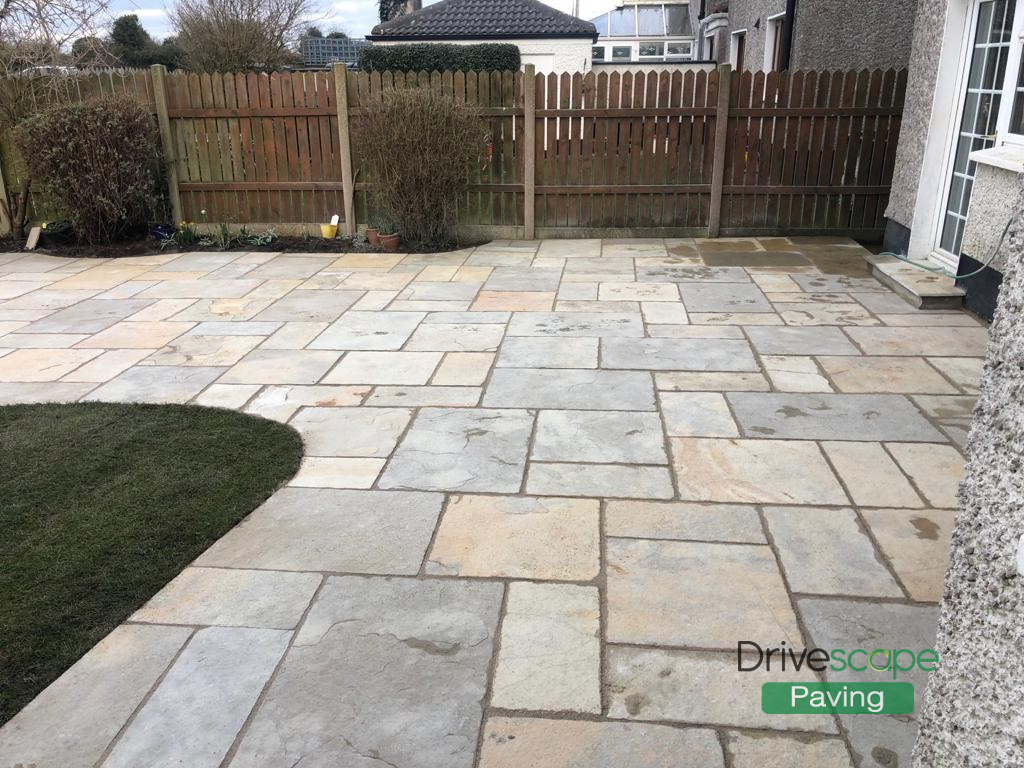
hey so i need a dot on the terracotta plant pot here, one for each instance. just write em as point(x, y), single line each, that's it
point(389, 243)
point(371, 236)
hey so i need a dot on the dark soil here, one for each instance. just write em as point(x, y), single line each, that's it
point(284, 243)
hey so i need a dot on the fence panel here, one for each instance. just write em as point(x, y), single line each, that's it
point(255, 147)
point(811, 151)
point(627, 153)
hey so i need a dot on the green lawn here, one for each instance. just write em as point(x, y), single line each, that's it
point(103, 504)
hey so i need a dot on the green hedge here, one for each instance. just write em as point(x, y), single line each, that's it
point(440, 57)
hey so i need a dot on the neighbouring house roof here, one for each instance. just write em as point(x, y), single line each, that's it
point(484, 20)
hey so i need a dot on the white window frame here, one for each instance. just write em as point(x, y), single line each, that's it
point(732, 44)
point(1013, 65)
point(770, 32)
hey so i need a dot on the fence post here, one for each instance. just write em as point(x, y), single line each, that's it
point(529, 150)
point(340, 72)
point(721, 139)
point(164, 122)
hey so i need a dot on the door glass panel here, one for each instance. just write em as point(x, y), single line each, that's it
point(981, 111)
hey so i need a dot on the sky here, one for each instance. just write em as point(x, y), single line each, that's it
point(356, 17)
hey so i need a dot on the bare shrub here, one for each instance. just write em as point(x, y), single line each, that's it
point(420, 147)
point(95, 164)
point(239, 35)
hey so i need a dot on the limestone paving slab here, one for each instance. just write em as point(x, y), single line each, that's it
point(89, 316)
point(429, 396)
point(700, 687)
point(871, 476)
point(353, 432)
point(683, 521)
point(881, 740)
point(542, 352)
point(620, 481)
point(754, 471)
point(25, 365)
point(825, 551)
point(723, 297)
point(462, 449)
point(909, 375)
point(460, 337)
point(517, 537)
point(337, 472)
point(678, 354)
point(697, 414)
point(936, 470)
point(198, 708)
point(628, 437)
point(831, 416)
point(156, 384)
point(384, 368)
point(369, 330)
point(570, 389)
point(939, 342)
point(762, 750)
point(514, 742)
point(72, 722)
point(917, 544)
point(646, 605)
point(231, 598)
point(318, 529)
point(281, 366)
point(385, 671)
point(550, 653)
point(810, 340)
point(602, 324)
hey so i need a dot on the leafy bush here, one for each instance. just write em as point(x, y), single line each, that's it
point(94, 164)
point(440, 57)
point(420, 146)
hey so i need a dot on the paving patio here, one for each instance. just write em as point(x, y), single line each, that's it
point(548, 489)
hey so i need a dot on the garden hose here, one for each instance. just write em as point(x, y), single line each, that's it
point(946, 272)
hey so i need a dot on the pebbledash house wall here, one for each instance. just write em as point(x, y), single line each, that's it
point(917, 110)
point(830, 34)
point(570, 54)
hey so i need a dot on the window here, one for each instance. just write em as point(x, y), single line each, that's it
point(709, 48)
point(652, 50)
point(622, 53)
point(738, 53)
point(1017, 118)
point(983, 106)
point(680, 50)
point(597, 53)
point(1011, 123)
point(650, 20)
point(677, 20)
point(622, 22)
point(773, 43)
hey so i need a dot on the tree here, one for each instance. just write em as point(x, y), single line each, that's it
point(314, 31)
point(131, 43)
point(338, 35)
point(91, 51)
point(238, 35)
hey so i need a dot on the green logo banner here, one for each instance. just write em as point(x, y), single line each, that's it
point(840, 698)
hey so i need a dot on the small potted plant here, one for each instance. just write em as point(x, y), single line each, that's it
point(387, 232)
point(373, 229)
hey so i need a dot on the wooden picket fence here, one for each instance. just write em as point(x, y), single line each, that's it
point(665, 153)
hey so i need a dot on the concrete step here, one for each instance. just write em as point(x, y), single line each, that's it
point(922, 289)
